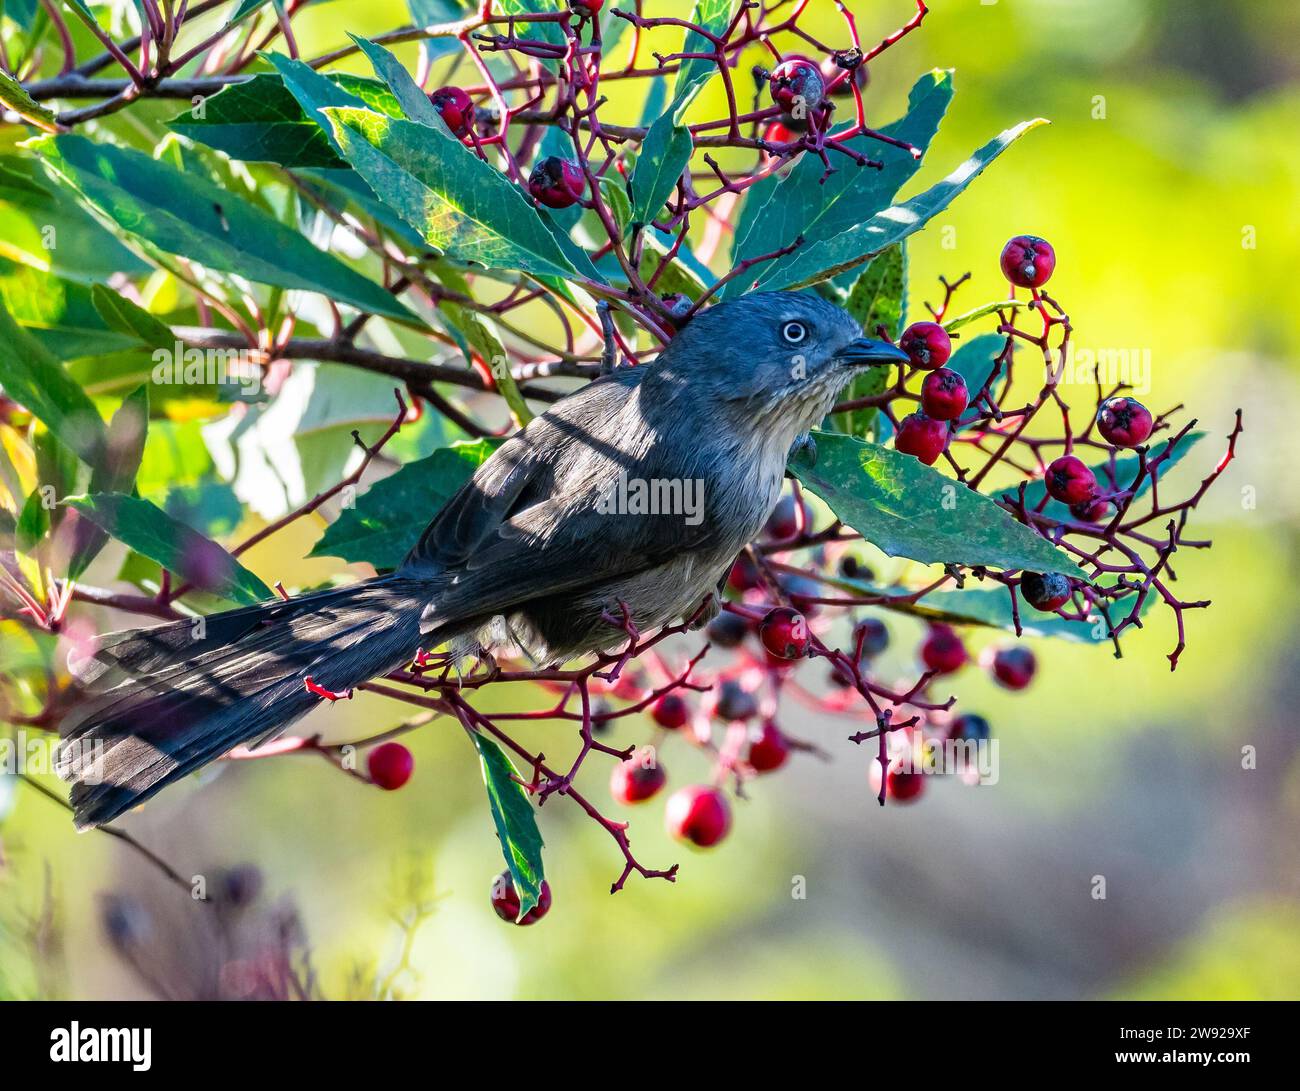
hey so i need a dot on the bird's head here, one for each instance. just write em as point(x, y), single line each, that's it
point(774, 358)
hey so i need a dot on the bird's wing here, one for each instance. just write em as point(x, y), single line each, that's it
point(527, 525)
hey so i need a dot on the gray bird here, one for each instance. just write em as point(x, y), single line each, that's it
point(529, 554)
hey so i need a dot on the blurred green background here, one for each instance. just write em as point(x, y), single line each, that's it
point(1168, 183)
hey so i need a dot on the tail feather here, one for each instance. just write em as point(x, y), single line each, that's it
point(163, 702)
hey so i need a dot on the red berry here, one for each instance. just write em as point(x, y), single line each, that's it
point(969, 728)
point(770, 749)
point(797, 87)
point(698, 814)
point(630, 686)
point(1091, 511)
point(727, 630)
point(637, 779)
point(1046, 591)
point(744, 574)
point(456, 108)
point(871, 635)
point(786, 519)
point(1028, 261)
point(1070, 481)
point(926, 344)
point(1125, 422)
point(679, 306)
point(506, 901)
point(590, 6)
point(735, 702)
point(556, 182)
point(390, 765)
point(670, 711)
point(944, 395)
point(1013, 666)
point(901, 785)
point(777, 133)
point(922, 436)
point(784, 633)
point(942, 650)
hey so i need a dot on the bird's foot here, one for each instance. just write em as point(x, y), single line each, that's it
point(329, 694)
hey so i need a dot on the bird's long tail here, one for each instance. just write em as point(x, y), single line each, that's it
point(162, 702)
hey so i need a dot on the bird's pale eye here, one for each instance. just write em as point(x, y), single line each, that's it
point(794, 332)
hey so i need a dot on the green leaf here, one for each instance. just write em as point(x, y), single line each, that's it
point(481, 335)
point(515, 822)
point(714, 16)
point(983, 311)
point(427, 13)
point(546, 32)
point(458, 203)
point(187, 215)
point(777, 211)
point(666, 149)
point(974, 359)
point(13, 95)
point(908, 509)
point(830, 257)
point(150, 531)
point(33, 522)
point(679, 276)
point(414, 103)
point(128, 318)
point(45, 228)
point(665, 153)
point(991, 607)
point(387, 521)
point(877, 299)
point(1126, 467)
point(260, 119)
point(114, 473)
point(245, 9)
point(37, 381)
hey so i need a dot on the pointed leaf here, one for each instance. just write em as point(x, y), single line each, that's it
point(15, 96)
point(388, 519)
point(777, 210)
point(991, 607)
point(515, 822)
point(130, 319)
point(458, 203)
point(261, 120)
point(908, 509)
point(665, 153)
point(115, 473)
point(184, 214)
point(415, 104)
point(714, 16)
point(153, 533)
point(821, 260)
point(877, 299)
point(37, 381)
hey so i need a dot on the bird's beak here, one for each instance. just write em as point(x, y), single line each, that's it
point(863, 350)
